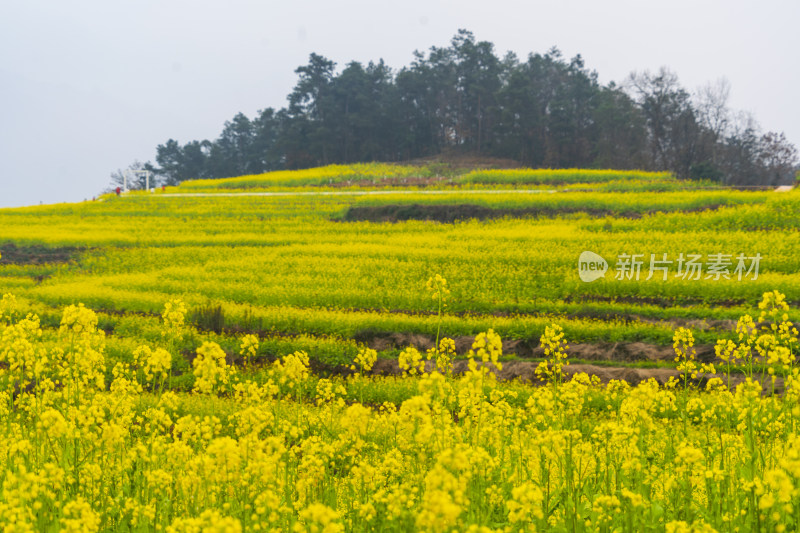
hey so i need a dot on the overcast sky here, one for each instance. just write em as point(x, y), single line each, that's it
point(87, 87)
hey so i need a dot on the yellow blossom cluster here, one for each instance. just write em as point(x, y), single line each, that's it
point(210, 369)
point(447, 453)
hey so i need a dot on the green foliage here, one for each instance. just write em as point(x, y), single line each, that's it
point(546, 111)
point(705, 170)
point(209, 317)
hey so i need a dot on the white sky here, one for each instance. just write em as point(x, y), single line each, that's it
point(89, 86)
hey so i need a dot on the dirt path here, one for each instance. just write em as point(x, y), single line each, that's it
point(450, 213)
point(37, 254)
point(529, 348)
point(525, 371)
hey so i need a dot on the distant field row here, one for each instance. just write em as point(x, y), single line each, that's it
point(372, 175)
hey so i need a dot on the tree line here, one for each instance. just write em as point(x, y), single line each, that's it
point(545, 111)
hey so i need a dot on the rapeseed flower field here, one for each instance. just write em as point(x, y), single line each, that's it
point(403, 361)
point(277, 448)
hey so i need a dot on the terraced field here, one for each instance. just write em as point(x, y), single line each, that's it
point(291, 318)
point(353, 267)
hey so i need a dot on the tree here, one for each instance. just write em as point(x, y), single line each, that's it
point(673, 130)
point(740, 151)
point(135, 182)
point(365, 114)
point(569, 113)
point(421, 121)
point(267, 130)
point(353, 111)
point(713, 116)
point(178, 163)
point(383, 132)
point(430, 93)
point(169, 157)
point(777, 158)
point(545, 111)
point(478, 75)
point(310, 111)
point(234, 153)
point(523, 102)
point(711, 102)
point(619, 131)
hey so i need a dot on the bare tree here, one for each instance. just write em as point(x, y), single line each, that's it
point(137, 182)
point(777, 157)
point(740, 150)
point(674, 135)
point(711, 103)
